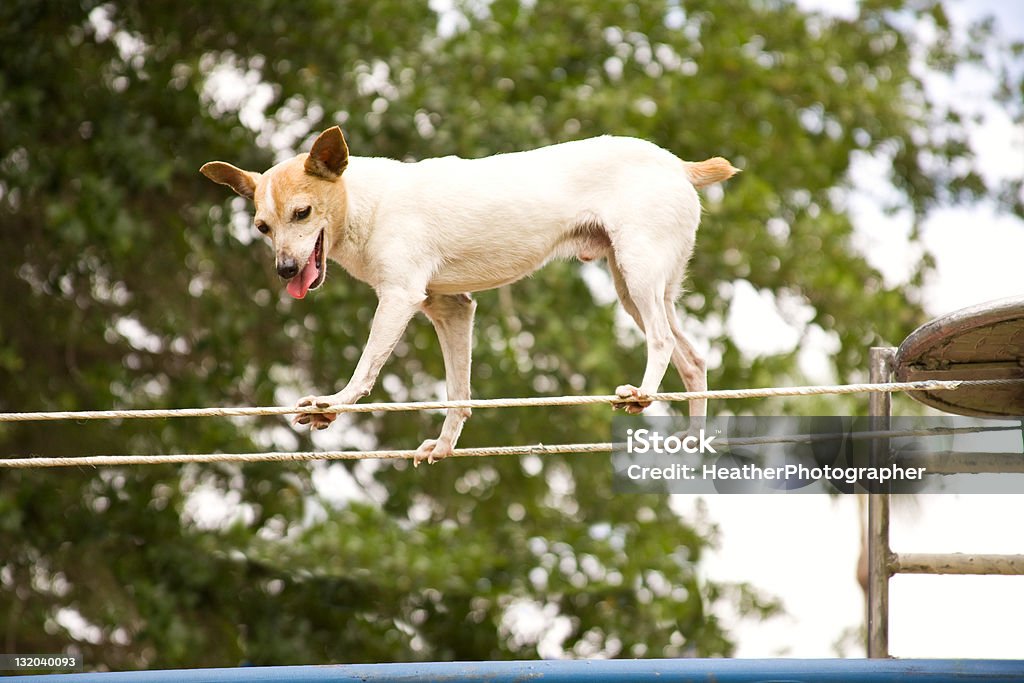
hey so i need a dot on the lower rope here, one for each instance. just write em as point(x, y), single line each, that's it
point(490, 451)
point(302, 456)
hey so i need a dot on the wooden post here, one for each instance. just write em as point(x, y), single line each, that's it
point(880, 410)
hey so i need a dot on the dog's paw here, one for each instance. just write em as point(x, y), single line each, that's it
point(315, 420)
point(431, 451)
point(634, 401)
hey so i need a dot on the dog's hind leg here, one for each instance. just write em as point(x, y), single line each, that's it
point(685, 358)
point(630, 307)
point(452, 316)
point(687, 361)
point(690, 365)
point(642, 291)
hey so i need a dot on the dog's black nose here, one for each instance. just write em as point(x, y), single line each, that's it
point(287, 268)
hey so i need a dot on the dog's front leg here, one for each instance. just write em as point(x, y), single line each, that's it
point(452, 317)
point(394, 310)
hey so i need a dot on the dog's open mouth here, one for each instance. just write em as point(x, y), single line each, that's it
point(312, 274)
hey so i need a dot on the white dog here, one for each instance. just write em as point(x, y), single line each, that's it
point(425, 234)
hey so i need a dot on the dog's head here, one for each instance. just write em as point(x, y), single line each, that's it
point(297, 203)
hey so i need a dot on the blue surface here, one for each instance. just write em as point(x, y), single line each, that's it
point(619, 671)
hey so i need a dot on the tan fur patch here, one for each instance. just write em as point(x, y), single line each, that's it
point(709, 171)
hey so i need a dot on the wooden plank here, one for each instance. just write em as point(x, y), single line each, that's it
point(980, 342)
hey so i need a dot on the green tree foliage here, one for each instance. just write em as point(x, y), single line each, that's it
point(130, 281)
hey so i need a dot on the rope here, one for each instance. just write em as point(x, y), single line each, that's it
point(723, 394)
point(301, 456)
point(535, 449)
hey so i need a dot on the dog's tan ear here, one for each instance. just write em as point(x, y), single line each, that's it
point(329, 155)
point(242, 182)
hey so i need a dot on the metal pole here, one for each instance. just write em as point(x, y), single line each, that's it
point(879, 554)
point(590, 671)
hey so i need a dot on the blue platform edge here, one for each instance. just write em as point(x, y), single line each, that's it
point(599, 671)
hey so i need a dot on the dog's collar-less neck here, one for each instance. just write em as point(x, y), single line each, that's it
point(365, 182)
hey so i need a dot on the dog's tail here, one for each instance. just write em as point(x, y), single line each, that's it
point(709, 171)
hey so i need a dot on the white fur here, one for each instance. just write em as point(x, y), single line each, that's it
point(440, 223)
point(426, 234)
point(268, 196)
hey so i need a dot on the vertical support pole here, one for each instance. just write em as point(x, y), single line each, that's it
point(879, 554)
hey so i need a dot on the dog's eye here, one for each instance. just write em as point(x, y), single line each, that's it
point(263, 227)
point(303, 213)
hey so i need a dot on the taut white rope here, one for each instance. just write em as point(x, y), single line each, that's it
point(536, 449)
point(301, 456)
point(723, 394)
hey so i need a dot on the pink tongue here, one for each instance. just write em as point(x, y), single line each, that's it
point(299, 285)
